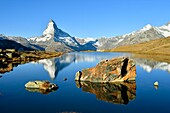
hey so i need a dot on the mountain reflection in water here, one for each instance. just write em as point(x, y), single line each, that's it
point(84, 97)
point(117, 93)
point(54, 65)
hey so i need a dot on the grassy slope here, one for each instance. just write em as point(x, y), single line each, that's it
point(158, 46)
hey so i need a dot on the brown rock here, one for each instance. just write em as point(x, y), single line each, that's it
point(78, 75)
point(42, 85)
point(114, 70)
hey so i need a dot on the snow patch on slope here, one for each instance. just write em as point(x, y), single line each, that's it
point(165, 30)
point(67, 40)
point(39, 39)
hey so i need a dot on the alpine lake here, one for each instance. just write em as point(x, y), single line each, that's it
point(84, 97)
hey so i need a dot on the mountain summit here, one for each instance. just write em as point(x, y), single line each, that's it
point(53, 31)
point(54, 39)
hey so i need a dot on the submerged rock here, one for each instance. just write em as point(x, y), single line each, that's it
point(42, 85)
point(114, 70)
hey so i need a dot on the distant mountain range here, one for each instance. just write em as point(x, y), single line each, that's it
point(55, 39)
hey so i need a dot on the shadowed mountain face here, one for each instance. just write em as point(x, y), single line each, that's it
point(18, 43)
point(116, 93)
point(8, 44)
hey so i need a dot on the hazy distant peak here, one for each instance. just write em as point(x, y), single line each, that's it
point(147, 27)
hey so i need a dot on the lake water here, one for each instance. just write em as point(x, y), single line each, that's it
point(73, 97)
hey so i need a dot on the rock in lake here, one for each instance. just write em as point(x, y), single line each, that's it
point(114, 70)
point(156, 83)
point(65, 79)
point(42, 85)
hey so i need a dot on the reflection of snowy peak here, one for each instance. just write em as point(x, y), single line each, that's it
point(149, 65)
point(51, 66)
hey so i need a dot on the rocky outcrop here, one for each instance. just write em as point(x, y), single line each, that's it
point(114, 70)
point(42, 85)
point(116, 93)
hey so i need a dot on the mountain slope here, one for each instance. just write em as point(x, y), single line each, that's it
point(55, 39)
point(158, 46)
point(9, 44)
point(145, 34)
point(23, 41)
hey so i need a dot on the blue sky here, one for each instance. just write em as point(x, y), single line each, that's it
point(81, 18)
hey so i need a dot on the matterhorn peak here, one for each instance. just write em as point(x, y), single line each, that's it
point(53, 31)
point(51, 20)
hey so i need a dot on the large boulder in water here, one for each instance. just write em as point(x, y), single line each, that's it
point(114, 70)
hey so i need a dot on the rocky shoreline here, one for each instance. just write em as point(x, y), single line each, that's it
point(12, 55)
point(10, 58)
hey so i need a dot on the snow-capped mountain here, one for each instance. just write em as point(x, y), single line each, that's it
point(165, 30)
point(144, 34)
point(53, 31)
point(54, 39)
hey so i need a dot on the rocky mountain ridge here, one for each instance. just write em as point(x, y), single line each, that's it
point(145, 34)
point(55, 39)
